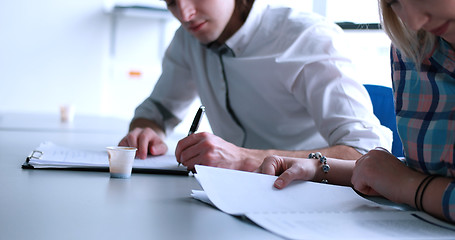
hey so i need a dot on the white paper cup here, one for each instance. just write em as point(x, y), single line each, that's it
point(67, 113)
point(121, 161)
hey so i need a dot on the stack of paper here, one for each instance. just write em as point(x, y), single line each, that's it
point(307, 210)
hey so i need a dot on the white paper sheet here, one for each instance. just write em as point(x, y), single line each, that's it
point(307, 210)
point(201, 196)
point(238, 186)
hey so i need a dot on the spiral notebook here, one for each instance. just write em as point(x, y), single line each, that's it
point(51, 156)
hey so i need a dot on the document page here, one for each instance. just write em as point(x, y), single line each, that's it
point(308, 210)
point(238, 193)
point(362, 225)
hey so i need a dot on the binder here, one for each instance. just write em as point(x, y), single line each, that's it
point(54, 157)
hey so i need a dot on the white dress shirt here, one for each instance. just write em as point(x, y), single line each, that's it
point(289, 85)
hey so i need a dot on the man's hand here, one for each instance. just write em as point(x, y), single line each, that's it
point(210, 150)
point(147, 137)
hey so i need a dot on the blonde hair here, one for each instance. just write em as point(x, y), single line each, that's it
point(413, 44)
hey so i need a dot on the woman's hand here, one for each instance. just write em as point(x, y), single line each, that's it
point(289, 169)
point(379, 173)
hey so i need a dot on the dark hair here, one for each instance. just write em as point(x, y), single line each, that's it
point(244, 6)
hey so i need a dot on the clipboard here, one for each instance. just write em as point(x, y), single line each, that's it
point(63, 158)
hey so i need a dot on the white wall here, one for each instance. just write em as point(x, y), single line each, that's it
point(134, 63)
point(56, 52)
point(370, 52)
point(51, 53)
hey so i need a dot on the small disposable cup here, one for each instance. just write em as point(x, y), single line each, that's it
point(121, 161)
point(67, 113)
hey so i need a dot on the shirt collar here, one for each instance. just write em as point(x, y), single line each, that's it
point(239, 41)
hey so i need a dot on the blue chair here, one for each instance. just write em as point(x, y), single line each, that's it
point(384, 109)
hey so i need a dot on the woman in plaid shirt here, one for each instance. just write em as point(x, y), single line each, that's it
point(423, 74)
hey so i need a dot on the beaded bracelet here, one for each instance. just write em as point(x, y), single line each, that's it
point(323, 161)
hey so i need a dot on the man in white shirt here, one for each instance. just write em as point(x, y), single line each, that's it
point(273, 81)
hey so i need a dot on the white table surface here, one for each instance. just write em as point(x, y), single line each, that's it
point(61, 204)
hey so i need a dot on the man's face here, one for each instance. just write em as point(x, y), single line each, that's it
point(204, 19)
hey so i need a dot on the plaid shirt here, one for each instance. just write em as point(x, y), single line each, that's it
point(425, 107)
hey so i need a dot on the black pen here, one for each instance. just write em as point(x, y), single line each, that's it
point(196, 121)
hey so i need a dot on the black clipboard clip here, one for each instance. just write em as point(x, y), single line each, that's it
point(35, 155)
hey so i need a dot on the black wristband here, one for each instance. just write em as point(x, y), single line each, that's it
point(423, 191)
point(418, 190)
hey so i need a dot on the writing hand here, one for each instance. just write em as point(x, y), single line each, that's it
point(210, 150)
